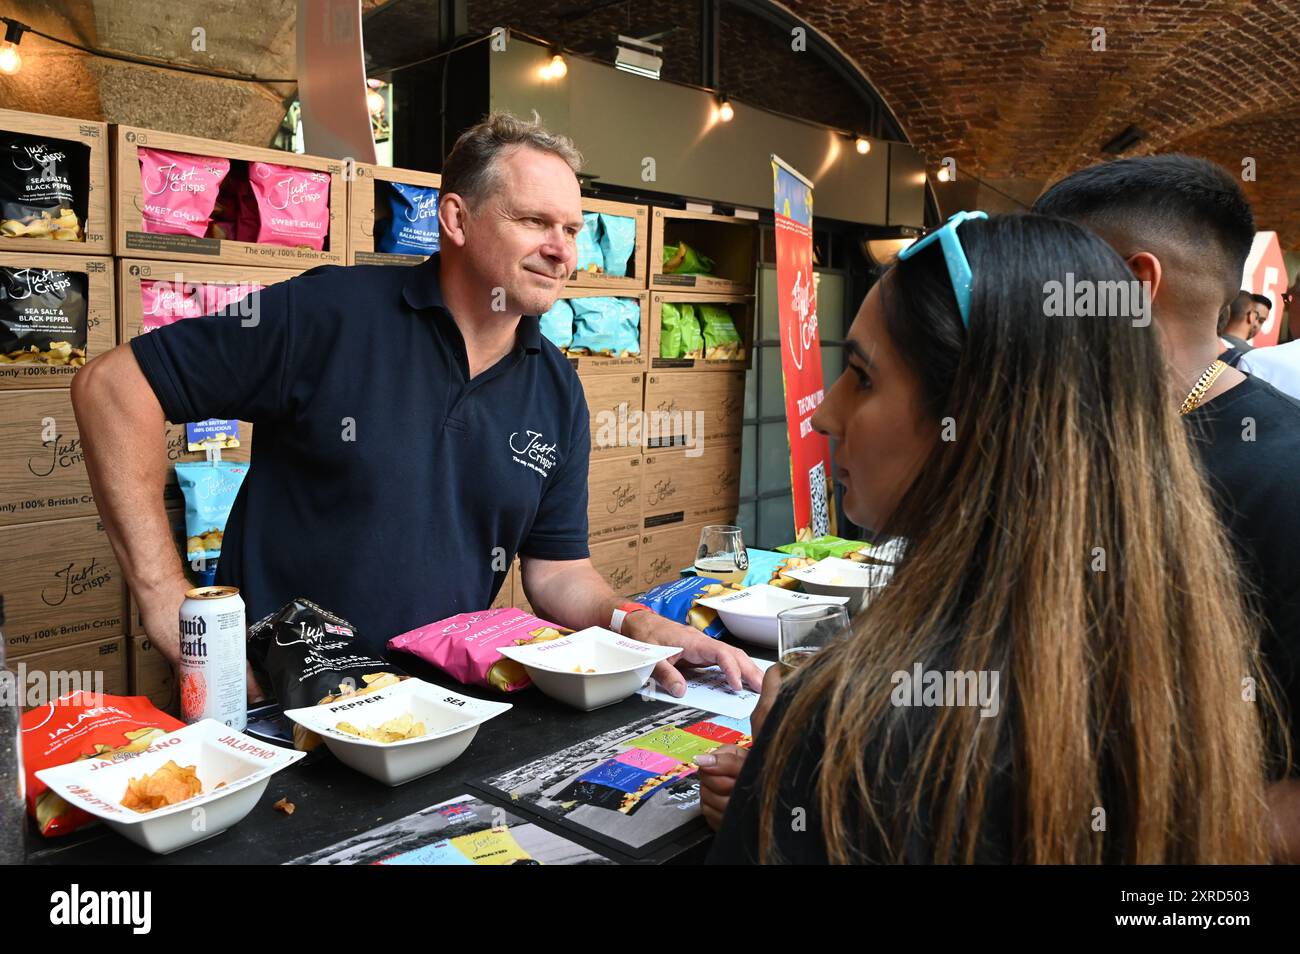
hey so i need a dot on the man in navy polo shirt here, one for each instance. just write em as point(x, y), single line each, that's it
point(414, 429)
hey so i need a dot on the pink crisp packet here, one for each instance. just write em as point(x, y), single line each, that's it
point(465, 646)
point(217, 295)
point(179, 190)
point(293, 205)
point(168, 301)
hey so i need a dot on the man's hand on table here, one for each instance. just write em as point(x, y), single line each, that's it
point(697, 650)
point(160, 612)
point(720, 768)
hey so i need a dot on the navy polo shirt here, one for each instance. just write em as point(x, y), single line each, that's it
point(385, 484)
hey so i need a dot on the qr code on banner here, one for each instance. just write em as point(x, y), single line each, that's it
point(821, 516)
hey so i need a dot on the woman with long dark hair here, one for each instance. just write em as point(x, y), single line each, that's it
point(1061, 548)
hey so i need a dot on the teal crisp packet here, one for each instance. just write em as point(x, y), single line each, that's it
point(557, 323)
point(590, 257)
point(617, 242)
point(210, 490)
point(607, 326)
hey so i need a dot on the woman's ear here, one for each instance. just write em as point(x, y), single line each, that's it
point(1146, 268)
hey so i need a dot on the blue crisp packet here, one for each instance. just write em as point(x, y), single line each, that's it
point(557, 323)
point(762, 565)
point(617, 242)
point(590, 257)
point(607, 326)
point(412, 226)
point(675, 600)
point(210, 491)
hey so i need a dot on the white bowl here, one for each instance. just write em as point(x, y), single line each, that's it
point(450, 720)
point(620, 666)
point(835, 576)
point(218, 754)
point(751, 614)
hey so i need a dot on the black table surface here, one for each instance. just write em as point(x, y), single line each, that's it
point(333, 802)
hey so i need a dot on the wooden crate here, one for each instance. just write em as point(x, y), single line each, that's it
point(133, 242)
point(96, 226)
point(614, 405)
point(151, 675)
point(94, 665)
point(742, 314)
point(614, 498)
point(133, 272)
point(665, 550)
point(587, 363)
point(616, 561)
point(42, 463)
point(362, 212)
point(62, 585)
point(101, 327)
point(683, 408)
point(636, 277)
point(731, 242)
point(691, 486)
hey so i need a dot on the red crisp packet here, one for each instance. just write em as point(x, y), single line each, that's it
point(83, 725)
point(465, 646)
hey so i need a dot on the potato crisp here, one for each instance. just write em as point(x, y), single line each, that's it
point(167, 786)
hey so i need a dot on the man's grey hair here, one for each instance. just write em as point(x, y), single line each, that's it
point(471, 170)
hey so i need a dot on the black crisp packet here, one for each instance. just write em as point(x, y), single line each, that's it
point(41, 187)
point(308, 656)
point(42, 316)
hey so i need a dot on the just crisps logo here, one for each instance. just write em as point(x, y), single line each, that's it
point(530, 450)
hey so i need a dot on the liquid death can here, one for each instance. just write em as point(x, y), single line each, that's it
point(213, 684)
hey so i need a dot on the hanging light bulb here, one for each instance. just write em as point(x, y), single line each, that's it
point(863, 145)
point(374, 102)
point(11, 61)
point(725, 111)
point(944, 175)
point(558, 67)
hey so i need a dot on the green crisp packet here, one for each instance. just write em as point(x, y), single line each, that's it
point(818, 548)
point(721, 339)
point(670, 331)
point(692, 337)
point(681, 259)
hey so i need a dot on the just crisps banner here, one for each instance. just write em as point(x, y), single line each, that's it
point(801, 355)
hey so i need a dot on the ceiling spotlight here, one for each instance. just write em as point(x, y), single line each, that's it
point(863, 145)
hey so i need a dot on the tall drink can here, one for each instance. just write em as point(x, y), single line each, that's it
point(213, 650)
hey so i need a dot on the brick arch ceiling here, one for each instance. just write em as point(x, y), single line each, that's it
point(1016, 93)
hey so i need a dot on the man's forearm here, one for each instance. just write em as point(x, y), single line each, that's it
point(569, 593)
point(122, 431)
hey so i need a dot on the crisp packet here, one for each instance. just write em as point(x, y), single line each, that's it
point(818, 548)
point(466, 646)
point(606, 326)
point(676, 600)
point(590, 257)
point(310, 656)
point(217, 296)
point(83, 725)
point(679, 332)
point(165, 301)
point(721, 339)
point(210, 490)
point(293, 205)
point(43, 316)
point(681, 259)
point(557, 323)
point(411, 227)
point(179, 190)
point(765, 566)
point(41, 185)
point(617, 242)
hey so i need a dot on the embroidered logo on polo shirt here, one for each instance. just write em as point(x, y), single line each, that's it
point(535, 454)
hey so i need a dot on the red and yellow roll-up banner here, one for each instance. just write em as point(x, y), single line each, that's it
point(801, 354)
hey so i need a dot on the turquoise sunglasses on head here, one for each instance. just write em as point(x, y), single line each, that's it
point(954, 256)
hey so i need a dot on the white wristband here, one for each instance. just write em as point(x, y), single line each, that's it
point(616, 621)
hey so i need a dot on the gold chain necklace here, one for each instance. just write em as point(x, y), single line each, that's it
point(1203, 384)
